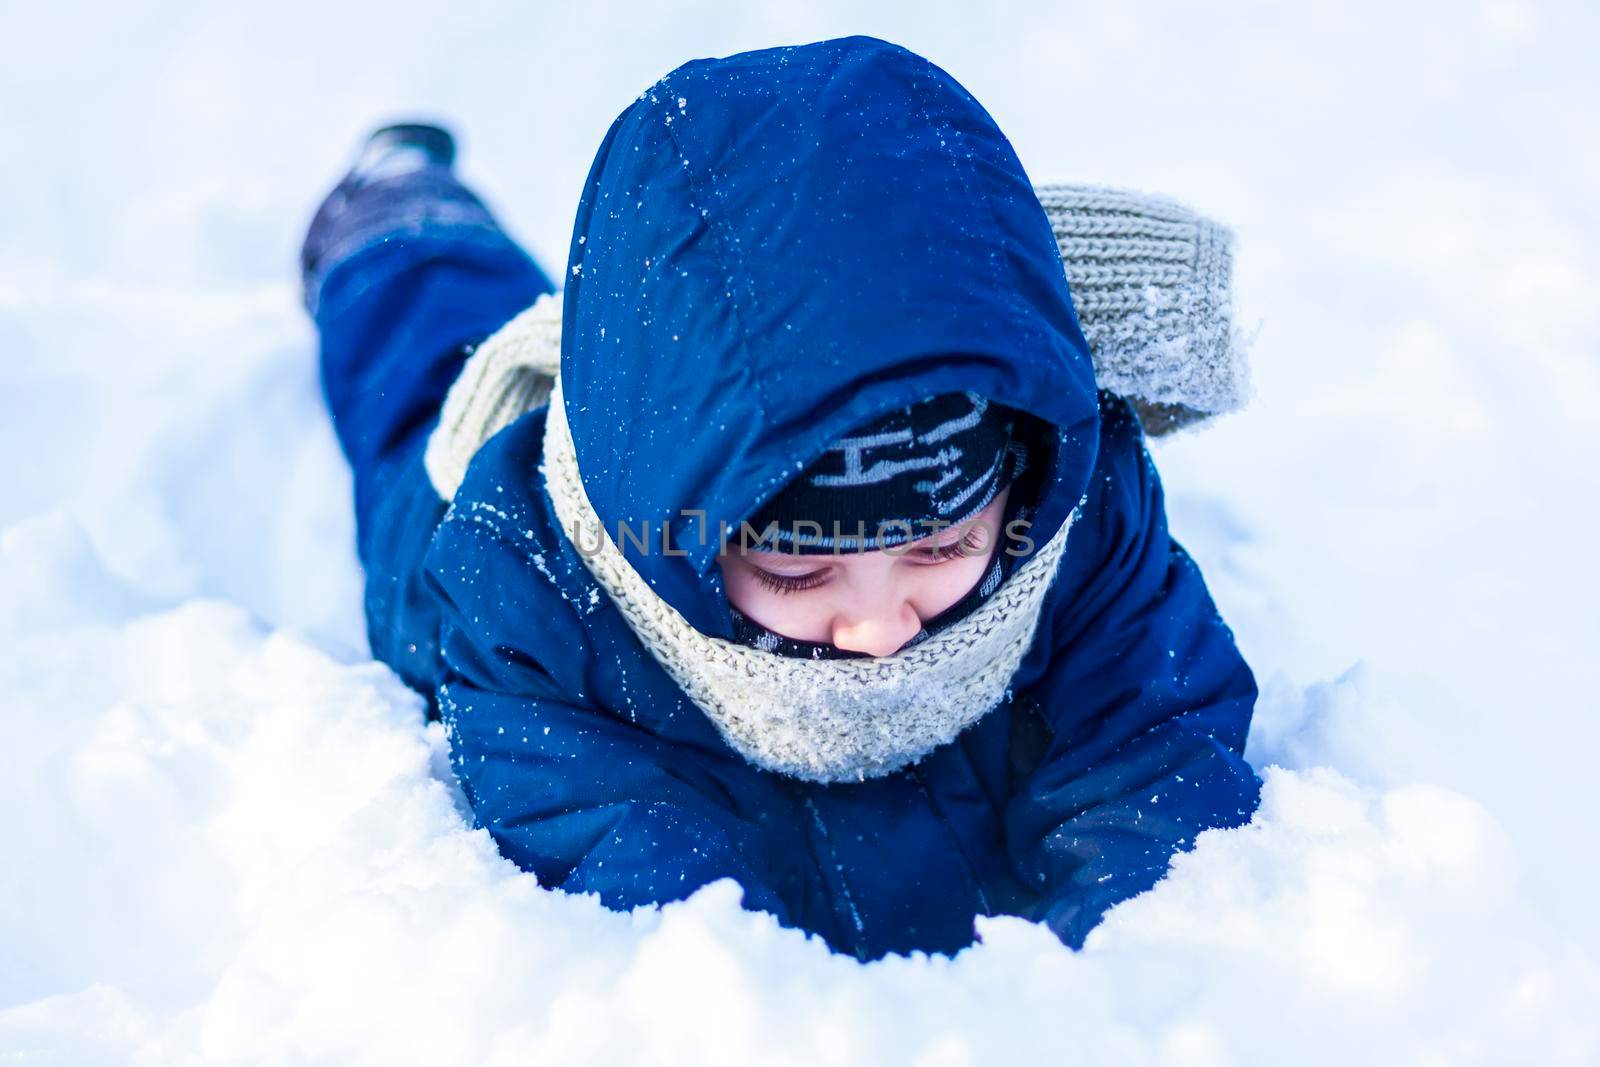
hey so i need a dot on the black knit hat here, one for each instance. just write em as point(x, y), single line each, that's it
point(894, 479)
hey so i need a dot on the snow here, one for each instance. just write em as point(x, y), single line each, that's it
point(227, 834)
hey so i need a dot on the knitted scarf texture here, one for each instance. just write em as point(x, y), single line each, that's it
point(1151, 284)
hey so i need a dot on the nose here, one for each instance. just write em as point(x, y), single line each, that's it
point(879, 633)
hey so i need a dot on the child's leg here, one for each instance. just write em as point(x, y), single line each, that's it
point(403, 274)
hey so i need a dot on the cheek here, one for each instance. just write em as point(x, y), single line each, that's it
point(942, 586)
point(798, 616)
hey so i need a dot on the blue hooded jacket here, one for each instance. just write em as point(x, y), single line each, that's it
point(771, 249)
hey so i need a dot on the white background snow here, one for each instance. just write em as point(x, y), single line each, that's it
point(224, 834)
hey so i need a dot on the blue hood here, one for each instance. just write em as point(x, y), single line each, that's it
point(774, 247)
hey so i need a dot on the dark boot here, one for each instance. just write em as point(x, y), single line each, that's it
point(402, 179)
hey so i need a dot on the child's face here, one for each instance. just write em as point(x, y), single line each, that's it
point(872, 602)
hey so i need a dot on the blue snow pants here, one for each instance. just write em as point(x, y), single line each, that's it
point(403, 277)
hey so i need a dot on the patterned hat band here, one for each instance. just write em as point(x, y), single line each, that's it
point(898, 478)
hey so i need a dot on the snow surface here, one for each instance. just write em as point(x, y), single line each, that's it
point(227, 835)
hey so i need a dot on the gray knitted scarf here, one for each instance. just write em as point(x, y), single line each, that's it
point(1150, 281)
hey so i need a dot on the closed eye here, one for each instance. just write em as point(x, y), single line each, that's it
point(789, 583)
point(975, 541)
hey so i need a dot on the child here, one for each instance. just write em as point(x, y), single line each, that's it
point(692, 607)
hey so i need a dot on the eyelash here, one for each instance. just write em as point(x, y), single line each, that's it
point(781, 583)
point(969, 544)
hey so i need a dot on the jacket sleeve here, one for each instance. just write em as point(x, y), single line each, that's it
point(1145, 702)
point(579, 796)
